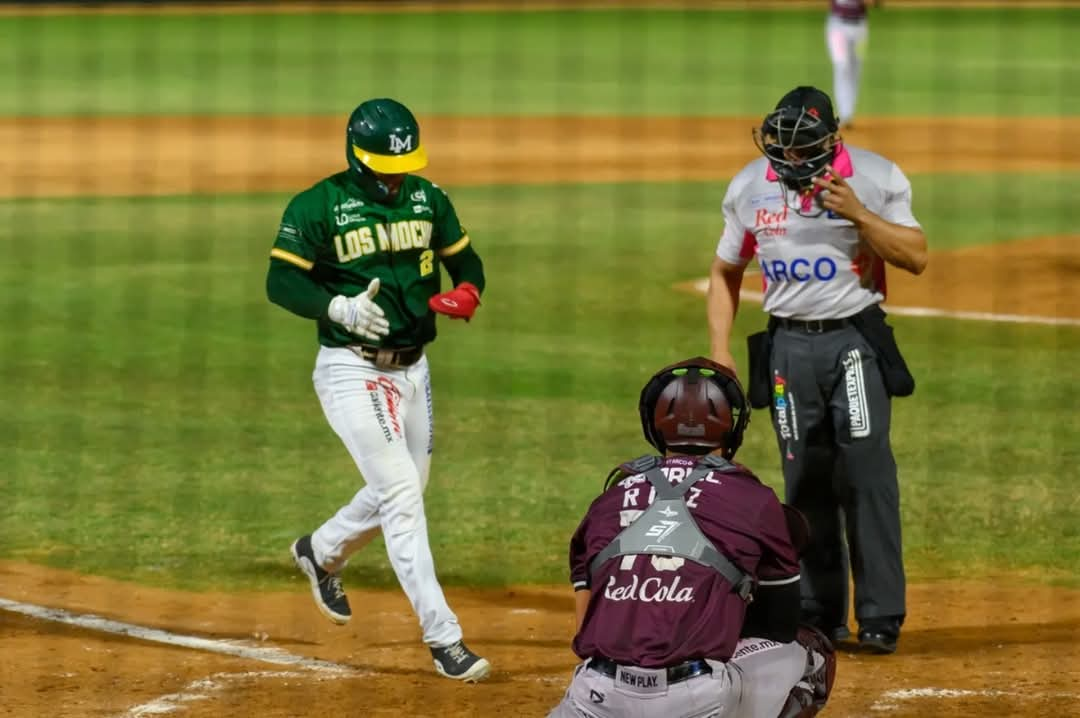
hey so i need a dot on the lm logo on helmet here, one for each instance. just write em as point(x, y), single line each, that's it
point(398, 145)
point(822, 269)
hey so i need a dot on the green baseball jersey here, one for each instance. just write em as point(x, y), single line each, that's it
point(335, 231)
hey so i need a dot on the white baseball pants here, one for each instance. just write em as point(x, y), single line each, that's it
point(384, 418)
point(847, 46)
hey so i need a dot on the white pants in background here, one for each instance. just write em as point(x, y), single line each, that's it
point(847, 46)
point(384, 418)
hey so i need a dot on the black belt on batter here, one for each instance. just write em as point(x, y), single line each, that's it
point(810, 326)
point(675, 674)
point(394, 357)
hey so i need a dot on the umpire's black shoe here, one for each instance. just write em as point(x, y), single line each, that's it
point(879, 636)
point(836, 633)
point(458, 662)
point(325, 586)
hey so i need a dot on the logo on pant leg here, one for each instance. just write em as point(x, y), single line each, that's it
point(780, 407)
point(784, 409)
point(749, 646)
point(387, 418)
point(855, 387)
point(430, 417)
point(393, 401)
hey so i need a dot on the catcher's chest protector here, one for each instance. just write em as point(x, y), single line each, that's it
point(667, 528)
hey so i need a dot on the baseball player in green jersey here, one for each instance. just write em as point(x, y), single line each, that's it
point(361, 252)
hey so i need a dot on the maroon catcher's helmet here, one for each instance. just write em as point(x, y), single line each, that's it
point(694, 407)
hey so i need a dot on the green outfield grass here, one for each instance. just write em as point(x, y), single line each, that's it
point(926, 61)
point(158, 419)
point(965, 209)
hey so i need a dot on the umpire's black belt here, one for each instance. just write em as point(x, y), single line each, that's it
point(388, 357)
point(675, 674)
point(809, 326)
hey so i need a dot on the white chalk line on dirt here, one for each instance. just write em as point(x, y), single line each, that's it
point(239, 649)
point(201, 690)
point(889, 699)
point(702, 286)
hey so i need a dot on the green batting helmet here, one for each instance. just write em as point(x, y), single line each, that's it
point(383, 136)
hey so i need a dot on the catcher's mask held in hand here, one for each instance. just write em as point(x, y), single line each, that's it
point(799, 137)
point(694, 407)
point(382, 139)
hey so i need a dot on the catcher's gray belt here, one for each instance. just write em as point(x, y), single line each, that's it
point(388, 357)
point(666, 528)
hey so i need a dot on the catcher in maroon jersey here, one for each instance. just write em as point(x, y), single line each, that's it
point(686, 575)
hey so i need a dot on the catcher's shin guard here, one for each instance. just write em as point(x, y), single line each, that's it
point(811, 693)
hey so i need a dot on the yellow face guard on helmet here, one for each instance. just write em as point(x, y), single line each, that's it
point(392, 164)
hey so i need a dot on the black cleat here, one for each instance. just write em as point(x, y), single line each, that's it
point(325, 586)
point(837, 633)
point(879, 637)
point(459, 663)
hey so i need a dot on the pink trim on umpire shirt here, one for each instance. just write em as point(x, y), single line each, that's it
point(749, 245)
point(841, 162)
point(879, 276)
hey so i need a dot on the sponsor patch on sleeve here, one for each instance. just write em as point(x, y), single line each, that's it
point(288, 232)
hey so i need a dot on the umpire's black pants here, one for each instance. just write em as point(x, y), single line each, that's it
point(831, 413)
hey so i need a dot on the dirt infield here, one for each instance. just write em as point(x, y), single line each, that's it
point(180, 155)
point(1040, 273)
point(993, 648)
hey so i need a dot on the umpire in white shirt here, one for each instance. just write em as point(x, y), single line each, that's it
point(823, 220)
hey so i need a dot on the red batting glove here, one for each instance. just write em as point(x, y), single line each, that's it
point(459, 303)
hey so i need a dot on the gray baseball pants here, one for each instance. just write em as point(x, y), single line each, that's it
point(831, 416)
point(755, 683)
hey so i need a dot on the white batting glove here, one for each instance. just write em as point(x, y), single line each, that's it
point(360, 314)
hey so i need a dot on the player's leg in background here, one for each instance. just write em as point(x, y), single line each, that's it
point(769, 672)
point(369, 411)
point(861, 413)
point(859, 37)
point(838, 40)
point(801, 421)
